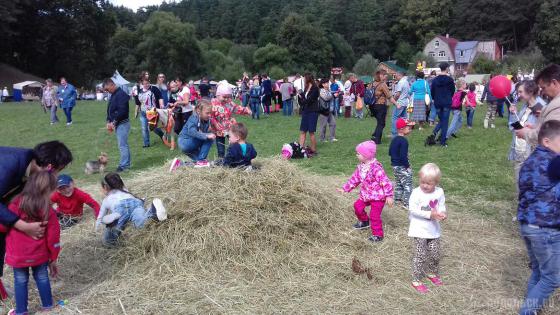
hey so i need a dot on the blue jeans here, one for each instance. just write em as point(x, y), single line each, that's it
point(443, 124)
point(470, 116)
point(500, 109)
point(245, 99)
point(196, 149)
point(456, 123)
point(543, 248)
point(255, 104)
point(287, 107)
point(336, 106)
point(68, 113)
point(397, 113)
point(21, 280)
point(131, 210)
point(433, 113)
point(122, 131)
point(146, 129)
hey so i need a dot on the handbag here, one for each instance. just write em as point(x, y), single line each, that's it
point(427, 98)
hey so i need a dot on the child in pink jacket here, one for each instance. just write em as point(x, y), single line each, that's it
point(376, 190)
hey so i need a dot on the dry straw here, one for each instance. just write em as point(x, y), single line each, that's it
point(280, 241)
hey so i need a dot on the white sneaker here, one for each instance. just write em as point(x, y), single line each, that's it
point(68, 124)
point(492, 126)
point(110, 218)
point(157, 206)
point(334, 140)
point(485, 123)
point(201, 164)
point(175, 164)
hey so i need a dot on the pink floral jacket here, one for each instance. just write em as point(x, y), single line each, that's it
point(221, 119)
point(376, 186)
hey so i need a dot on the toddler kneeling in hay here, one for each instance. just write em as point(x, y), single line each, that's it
point(124, 207)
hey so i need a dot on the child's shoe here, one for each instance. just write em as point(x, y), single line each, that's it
point(435, 280)
point(375, 239)
point(175, 164)
point(493, 126)
point(202, 163)
point(158, 210)
point(110, 218)
point(360, 225)
point(485, 123)
point(420, 287)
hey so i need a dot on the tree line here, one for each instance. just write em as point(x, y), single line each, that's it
point(86, 40)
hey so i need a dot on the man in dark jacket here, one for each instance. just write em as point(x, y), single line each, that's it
point(16, 165)
point(117, 120)
point(443, 88)
point(267, 93)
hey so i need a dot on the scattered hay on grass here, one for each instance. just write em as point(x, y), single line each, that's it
point(280, 241)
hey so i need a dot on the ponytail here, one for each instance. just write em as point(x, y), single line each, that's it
point(113, 181)
point(35, 197)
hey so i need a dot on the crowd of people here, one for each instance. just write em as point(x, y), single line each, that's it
point(31, 183)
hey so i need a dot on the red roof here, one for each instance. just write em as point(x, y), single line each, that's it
point(451, 42)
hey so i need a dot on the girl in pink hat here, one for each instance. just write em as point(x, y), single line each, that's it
point(376, 190)
point(221, 119)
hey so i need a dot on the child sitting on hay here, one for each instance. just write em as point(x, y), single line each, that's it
point(376, 190)
point(239, 153)
point(124, 207)
point(70, 201)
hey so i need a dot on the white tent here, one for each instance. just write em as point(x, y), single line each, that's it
point(118, 79)
point(28, 90)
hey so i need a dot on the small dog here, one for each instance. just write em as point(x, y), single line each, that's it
point(98, 166)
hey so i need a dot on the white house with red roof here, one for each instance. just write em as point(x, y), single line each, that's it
point(460, 55)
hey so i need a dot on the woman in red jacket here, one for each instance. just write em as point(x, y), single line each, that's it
point(23, 251)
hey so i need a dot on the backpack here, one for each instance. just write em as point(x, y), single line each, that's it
point(255, 92)
point(369, 96)
point(324, 106)
point(457, 100)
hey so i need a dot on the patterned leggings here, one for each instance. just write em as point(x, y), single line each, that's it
point(425, 260)
point(403, 185)
point(491, 113)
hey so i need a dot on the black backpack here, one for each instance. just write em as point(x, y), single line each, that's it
point(369, 96)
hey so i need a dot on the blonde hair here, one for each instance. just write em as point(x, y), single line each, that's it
point(256, 82)
point(430, 171)
point(203, 104)
point(459, 84)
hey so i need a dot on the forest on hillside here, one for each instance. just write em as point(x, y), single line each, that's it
point(86, 40)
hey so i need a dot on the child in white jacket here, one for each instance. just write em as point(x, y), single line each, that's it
point(427, 208)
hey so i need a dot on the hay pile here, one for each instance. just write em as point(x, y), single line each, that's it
point(279, 241)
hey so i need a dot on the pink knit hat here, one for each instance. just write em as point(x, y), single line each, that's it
point(223, 88)
point(367, 149)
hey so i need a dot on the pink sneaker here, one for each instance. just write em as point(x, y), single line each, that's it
point(175, 164)
point(202, 163)
point(420, 287)
point(436, 281)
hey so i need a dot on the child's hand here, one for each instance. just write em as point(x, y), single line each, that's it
point(442, 216)
point(53, 269)
point(390, 201)
point(434, 215)
point(340, 190)
point(211, 136)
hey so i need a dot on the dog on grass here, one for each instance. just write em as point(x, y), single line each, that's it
point(97, 166)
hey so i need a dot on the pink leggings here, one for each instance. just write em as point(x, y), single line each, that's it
point(374, 216)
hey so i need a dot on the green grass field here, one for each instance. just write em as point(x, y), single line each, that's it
point(475, 166)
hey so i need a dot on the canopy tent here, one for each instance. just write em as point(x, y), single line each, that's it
point(27, 90)
point(119, 80)
point(197, 82)
point(477, 78)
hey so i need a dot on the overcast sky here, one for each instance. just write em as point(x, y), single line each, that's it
point(135, 4)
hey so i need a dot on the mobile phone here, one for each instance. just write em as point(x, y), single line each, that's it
point(516, 125)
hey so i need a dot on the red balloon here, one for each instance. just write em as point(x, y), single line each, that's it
point(500, 86)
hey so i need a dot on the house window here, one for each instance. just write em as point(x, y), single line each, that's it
point(436, 44)
point(432, 54)
point(461, 53)
point(441, 54)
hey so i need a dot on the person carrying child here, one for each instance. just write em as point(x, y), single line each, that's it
point(426, 209)
point(398, 150)
point(39, 254)
point(539, 218)
point(70, 201)
point(376, 190)
point(221, 119)
point(239, 153)
point(195, 140)
point(121, 207)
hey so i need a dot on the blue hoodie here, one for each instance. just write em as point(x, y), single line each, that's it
point(442, 90)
